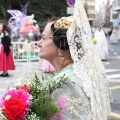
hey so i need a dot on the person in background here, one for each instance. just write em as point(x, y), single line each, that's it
point(93, 29)
point(119, 35)
point(31, 37)
point(114, 36)
point(110, 31)
point(47, 67)
point(101, 44)
point(6, 58)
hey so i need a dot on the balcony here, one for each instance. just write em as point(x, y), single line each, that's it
point(116, 8)
point(116, 5)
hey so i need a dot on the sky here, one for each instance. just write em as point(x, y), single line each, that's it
point(98, 2)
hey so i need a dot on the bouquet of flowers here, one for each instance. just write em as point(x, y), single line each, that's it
point(30, 100)
point(94, 40)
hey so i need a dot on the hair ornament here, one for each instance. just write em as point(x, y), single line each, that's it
point(63, 23)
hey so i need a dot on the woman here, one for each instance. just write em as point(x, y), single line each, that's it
point(6, 58)
point(66, 44)
point(114, 36)
point(119, 35)
point(101, 45)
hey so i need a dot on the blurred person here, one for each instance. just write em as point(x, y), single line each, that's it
point(66, 44)
point(6, 58)
point(110, 31)
point(105, 29)
point(119, 35)
point(101, 44)
point(47, 66)
point(31, 37)
point(114, 36)
point(20, 51)
point(93, 29)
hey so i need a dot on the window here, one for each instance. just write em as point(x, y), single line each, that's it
point(115, 16)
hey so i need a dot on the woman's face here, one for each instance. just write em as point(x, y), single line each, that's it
point(99, 29)
point(1, 27)
point(48, 49)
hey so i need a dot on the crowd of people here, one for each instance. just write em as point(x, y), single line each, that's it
point(103, 36)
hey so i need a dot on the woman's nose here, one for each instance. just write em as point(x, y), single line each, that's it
point(40, 43)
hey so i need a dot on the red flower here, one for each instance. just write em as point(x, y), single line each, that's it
point(26, 88)
point(14, 109)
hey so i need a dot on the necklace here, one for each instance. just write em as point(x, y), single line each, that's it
point(69, 63)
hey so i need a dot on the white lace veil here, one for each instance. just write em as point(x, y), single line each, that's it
point(87, 64)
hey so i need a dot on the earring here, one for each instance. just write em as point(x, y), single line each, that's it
point(60, 58)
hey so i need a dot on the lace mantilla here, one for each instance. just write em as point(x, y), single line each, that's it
point(87, 64)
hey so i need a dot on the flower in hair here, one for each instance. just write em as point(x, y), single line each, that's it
point(62, 23)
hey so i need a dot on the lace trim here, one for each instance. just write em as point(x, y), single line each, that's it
point(87, 64)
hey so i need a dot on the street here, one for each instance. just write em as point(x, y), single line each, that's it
point(112, 65)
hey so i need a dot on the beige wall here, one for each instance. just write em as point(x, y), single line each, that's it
point(91, 9)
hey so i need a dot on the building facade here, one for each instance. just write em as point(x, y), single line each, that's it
point(90, 9)
point(90, 5)
point(115, 12)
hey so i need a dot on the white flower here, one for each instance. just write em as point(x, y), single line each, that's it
point(7, 97)
point(0, 111)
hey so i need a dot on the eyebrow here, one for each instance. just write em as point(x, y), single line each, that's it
point(42, 34)
point(45, 35)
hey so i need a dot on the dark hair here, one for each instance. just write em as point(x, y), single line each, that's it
point(5, 28)
point(60, 37)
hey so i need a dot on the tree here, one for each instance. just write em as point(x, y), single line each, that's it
point(2, 9)
point(42, 9)
point(46, 9)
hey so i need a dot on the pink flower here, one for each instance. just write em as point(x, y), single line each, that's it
point(61, 102)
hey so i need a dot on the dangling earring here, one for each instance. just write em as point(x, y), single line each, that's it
point(60, 58)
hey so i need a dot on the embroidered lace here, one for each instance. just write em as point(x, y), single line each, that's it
point(87, 64)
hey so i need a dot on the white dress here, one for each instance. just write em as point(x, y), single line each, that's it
point(101, 45)
point(114, 36)
point(118, 36)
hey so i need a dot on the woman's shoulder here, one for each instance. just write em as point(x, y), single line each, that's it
point(67, 72)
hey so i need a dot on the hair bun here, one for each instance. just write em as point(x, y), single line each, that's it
point(60, 39)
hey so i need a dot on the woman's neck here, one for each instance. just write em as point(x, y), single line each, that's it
point(65, 64)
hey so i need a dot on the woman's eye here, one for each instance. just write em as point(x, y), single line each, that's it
point(43, 38)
